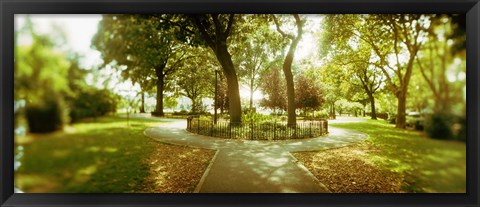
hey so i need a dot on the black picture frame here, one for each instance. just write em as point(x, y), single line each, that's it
point(470, 8)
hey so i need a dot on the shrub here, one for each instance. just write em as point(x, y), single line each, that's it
point(393, 119)
point(439, 125)
point(320, 115)
point(182, 112)
point(199, 113)
point(461, 134)
point(254, 117)
point(92, 103)
point(382, 115)
point(45, 117)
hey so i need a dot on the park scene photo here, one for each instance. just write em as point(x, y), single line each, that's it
point(240, 103)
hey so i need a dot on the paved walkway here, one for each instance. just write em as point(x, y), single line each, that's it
point(254, 166)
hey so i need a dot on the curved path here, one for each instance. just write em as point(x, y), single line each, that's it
point(241, 166)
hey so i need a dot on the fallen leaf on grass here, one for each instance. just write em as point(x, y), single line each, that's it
point(176, 169)
point(343, 170)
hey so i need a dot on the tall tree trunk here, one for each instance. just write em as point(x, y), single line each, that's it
point(332, 111)
point(218, 43)
point(142, 105)
point(287, 70)
point(234, 106)
point(402, 94)
point(401, 110)
point(160, 86)
point(251, 95)
point(372, 105)
point(194, 105)
point(292, 116)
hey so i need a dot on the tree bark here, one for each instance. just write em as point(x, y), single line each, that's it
point(142, 105)
point(160, 86)
point(372, 105)
point(234, 106)
point(292, 116)
point(194, 105)
point(251, 95)
point(218, 43)
point(287, 70)
point(401, 110)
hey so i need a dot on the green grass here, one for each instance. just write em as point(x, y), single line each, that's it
point(102, 156)
point(427, 165)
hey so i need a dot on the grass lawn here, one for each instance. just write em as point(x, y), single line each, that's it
point(105, 156)
point(418, 163)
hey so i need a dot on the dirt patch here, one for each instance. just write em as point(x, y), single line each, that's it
point(176, 169)
point(346, 170)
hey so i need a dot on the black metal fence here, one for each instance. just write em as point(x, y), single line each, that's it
point(258, 131)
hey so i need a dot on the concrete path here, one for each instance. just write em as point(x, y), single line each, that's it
point(254, 166)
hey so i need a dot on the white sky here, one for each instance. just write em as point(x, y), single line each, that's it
point(80, 29)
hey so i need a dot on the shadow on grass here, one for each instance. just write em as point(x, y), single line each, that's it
point(104, 155)
point(428, 165)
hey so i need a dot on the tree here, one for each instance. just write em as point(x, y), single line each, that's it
point(170, 102)
point(195, 78)
point(392, 37)
point(41, 71)
point(143, 47)
point(222, 94)
point(335, 84)
point(287, 65)
point(361, 72)
point(344, 105)
point(273, 86)
point(435, 63)
point(309, 95)
point(215, 30)
point(255, 51)
point(92, 102)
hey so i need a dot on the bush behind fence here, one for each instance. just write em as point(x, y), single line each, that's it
point(258, 131)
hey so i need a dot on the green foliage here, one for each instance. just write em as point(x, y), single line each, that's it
point(441, 68)
point(93, 102)
point(461, 129)
point(256, 52)
point(320, 114)
point(170, 102)
point(143, 47)
point(344, 106)
point(439, 126)
point(182, 112)
point(46, 116)
point(196, 77)
point(252, 117)
point(274, 88)
point(308, 94)
point(40, 79)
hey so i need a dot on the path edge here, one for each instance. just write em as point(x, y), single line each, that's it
point(301, 166)
point(205, 174)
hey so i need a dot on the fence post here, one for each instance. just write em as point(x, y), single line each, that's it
point(320, 123)
point(230, 129)
point(310, 129)
point(198, 127)
point(251, 130)
point(275, 130)
point(326, 126)
point(211, 129)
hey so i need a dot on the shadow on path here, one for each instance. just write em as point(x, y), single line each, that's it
point(254, 166)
